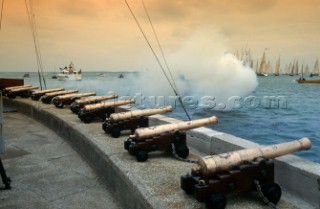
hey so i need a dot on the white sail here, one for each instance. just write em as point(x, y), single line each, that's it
point(296, 68)
point(307, 70)
point(277, 71)
point(263, 69)
point(316, 68)
point(269, 68)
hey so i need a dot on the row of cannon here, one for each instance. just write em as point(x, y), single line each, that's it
point(212, 178)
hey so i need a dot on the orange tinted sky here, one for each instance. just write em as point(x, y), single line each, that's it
point(102, 35)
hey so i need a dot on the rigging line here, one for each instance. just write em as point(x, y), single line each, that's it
point(159, 45)
point(164, 58)
point(39, 58)
point(1, 13)
point(31, 16)
point(35, 45)
point(38, 45)
point(155, 55)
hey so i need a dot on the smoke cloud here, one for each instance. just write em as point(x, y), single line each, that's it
point(202, 67)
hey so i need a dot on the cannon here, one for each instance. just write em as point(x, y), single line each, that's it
point(23, 92)
point(100, 110)
point(80, 103)
point(37, 94)
point(167, 137)
point(130, 120)
point(7, 89)
point(246, 170)
point(62, 100)
point(47, 98)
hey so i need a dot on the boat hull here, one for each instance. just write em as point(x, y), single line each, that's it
point(69, 77)
point(308, 81)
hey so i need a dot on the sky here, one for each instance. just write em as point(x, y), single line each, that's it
point(101, 35)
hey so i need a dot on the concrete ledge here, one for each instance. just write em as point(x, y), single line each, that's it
point(155, 183)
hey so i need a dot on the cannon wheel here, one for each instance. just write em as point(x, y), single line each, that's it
point(272, 191)
point(142, 156)
point(127, 144)
point(177, 137)
point(60, 105)
point(115, 132)
point(216, 201)
point(11, 96)
point(182, 150)
point(187, 183)
point(143, 122)
point(87, 119)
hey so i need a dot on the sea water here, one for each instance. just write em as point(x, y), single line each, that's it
point(278, 110)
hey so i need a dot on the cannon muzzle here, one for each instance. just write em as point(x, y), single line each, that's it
point(210, 165)
point(104, 105)
point(139, 113)
point(143, 133)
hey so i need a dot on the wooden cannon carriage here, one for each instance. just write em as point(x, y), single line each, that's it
point(163, 137)
point(101, 110)
point(240, 171)
point(130, 120)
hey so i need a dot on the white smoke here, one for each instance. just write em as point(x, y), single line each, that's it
point(201, 67)
point(209, 70)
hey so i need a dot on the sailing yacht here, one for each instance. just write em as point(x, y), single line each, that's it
point(303, 80)
point(263, 69)
point(277, 72)
point(315, 69)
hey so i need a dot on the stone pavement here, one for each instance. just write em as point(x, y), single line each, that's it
point(46, 172)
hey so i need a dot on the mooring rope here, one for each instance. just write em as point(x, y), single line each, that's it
point(157, 59)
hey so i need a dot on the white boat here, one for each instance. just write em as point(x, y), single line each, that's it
point(69, 73)
point(101, 75)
